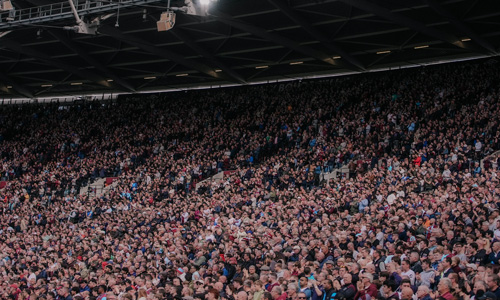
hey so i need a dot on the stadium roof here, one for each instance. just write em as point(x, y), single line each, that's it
point(239, 41)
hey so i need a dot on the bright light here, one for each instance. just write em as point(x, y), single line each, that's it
point(204, 2)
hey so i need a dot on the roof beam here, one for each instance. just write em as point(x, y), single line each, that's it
point(181, 35)
point(89, 59)
point(273, 37)
point(57, 63)
point(19, 88)
point(61, 10)
point(408, 22)
point(461, 26)
point(172, 56)
point(298, 19)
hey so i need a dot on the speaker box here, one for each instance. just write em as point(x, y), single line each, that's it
point(6, 5)
point(166, 22)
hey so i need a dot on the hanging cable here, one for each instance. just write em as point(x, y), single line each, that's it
point(117, 24)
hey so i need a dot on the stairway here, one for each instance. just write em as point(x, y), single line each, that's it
point(96, 189)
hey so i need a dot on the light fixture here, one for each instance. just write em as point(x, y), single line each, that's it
point(262, 67)
point(6, 5)
point(46, 85)
point(76, 83)
point(218, 70)
point(421, 47)
point(166, 22)
point(82, 26)
point(9, 86)
point(109, 80)
point(195, 7)
point(182, 75)
point(336, 57)
point(465, 40)
point(149, 78)
point(296, 63)
point(384, 52)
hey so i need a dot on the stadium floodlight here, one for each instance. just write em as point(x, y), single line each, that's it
point(82, 26)
point(167, 21)
point(197, 7)
point(191, 7)
point(6, 5)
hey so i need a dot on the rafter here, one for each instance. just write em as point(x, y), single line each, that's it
point(17, 87)
point(461, 26)
point(408, 22)
point(298, 19)
point(89, 59)
point(85, 74)
point(273, 37)
point(172, 56)
point(181, 35)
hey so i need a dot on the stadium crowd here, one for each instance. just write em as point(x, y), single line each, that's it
point(415, 218)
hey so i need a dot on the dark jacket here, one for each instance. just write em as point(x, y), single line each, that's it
point(346, 292)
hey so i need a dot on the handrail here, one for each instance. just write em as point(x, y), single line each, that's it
point(217, 176)
point(494, 154)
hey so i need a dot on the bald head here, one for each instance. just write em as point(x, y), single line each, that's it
point(219, 286)
point(242, 296)
point(406, 293)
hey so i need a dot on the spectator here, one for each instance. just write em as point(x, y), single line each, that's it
point(423, 293)
point(413, 199)
point(444, 289)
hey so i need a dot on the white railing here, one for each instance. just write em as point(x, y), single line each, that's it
point(492, 157)
point(217, 176)
point(62, 10)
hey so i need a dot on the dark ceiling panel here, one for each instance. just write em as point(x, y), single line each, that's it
point(324, 11)
point(304, 29)
point(269, 21)
point(235, 45)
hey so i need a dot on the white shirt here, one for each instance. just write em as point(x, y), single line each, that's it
point(391, 198)
point(410, 275)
